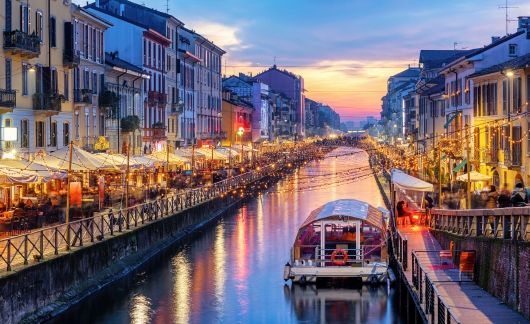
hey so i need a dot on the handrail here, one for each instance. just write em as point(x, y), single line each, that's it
point(426, 292)
point(512, 223)
point(17, 250)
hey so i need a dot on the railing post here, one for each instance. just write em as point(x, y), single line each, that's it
point(405, 256)
point(56, 240)
point(26, 249)
point(68, 237)
point(41, 244)
point(8, 254)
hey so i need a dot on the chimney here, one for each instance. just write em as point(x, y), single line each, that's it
point(494, 39)
point(97, 3)
point(523, 23)
point(122, 9)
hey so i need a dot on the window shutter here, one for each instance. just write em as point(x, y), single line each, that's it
point(69, 38)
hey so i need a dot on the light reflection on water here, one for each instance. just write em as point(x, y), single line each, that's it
point(232, 272)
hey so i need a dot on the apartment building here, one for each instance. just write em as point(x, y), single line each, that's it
point(36, 97)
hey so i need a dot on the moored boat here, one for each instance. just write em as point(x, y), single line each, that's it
point(339, 240)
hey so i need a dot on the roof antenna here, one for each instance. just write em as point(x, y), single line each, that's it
point(167, 6)
point(506, 7)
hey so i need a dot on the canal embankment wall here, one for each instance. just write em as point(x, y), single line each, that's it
point(502, 267)
point(38, 292)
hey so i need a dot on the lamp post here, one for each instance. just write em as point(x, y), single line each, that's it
point(240, 132)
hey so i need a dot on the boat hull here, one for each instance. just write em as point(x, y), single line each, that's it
point(310, 274)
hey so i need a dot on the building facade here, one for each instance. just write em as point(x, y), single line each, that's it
point(289, 85)
point(236, 119)
point(36, 94)
point(88, 47)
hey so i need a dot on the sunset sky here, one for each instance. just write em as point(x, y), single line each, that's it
point(344, 49)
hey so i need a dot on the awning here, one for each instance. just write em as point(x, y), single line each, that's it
point(460, 166)
point(474, 176)
point(171, 158)
point(408, 182)
point(81, 160)
point(42, 171)
point(208, 152)
point(17, 176)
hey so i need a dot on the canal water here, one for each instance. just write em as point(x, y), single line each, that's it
point(232, 272)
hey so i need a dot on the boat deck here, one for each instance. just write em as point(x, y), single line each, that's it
point(466, 301)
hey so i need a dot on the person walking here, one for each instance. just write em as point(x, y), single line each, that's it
point(493, 195)
point(504, 197)
point(519, 198)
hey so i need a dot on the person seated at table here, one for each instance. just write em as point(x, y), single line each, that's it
point(2, 206)
point(29, 204)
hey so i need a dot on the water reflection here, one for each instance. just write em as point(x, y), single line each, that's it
point(233, 272)
point(326, 305)
point(182, 287)
point(140, 310)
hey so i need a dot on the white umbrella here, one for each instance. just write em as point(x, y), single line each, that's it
point(474, 176)
point(17, 176)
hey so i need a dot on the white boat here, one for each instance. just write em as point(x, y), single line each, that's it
point(342, 239)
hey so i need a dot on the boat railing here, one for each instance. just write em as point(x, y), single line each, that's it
point(321, 257)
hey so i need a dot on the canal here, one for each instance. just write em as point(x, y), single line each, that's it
point(232, 271)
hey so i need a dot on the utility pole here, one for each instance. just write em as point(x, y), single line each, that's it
point(127, 177)
point(439, 178)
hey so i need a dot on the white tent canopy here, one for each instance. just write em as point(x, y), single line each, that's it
point(407, 182)
point(474, 176)
point(8, 175)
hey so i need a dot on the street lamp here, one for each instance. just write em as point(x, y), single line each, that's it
point(240, 132)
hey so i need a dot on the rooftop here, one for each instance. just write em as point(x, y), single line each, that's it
point(517, 63)
point(114, 60)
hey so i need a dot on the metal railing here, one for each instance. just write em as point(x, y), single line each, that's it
point(47, 102)
point(40, 244)
point(511, 223)
point(19, 41)
point(71, 57)
point(401, 249)
point(83, 96)
point(428, 296)
point(8, 98)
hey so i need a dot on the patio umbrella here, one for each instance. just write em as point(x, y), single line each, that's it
point(119, 160)
point(173, 158)
point(474, 176)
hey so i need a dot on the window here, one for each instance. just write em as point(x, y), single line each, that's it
point(53, 32)
point(66, 86)
point(87, 127)
point(468, 92)
point(53, 134)
point(39, 25)
point(76, 125)
point(101, 125)
point(512, 49)
point(95, 124)
point(505, 97)
point(55, 84)
point(24, 15)
point(517, 95)
point(39, 134)
point(24, 79)
point(94, 83)
point(85, 41)
point(24, 133)
point(8, 74)
point(86, 79)
point(66, 134)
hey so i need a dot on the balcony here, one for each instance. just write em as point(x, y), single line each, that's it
point(492, 157)
point(49, 104)
point(83, 96)
point(8, 100)
point(156, 133)
point(156, 98)
point(177, 108)
point(18, 42)
point(71, 58)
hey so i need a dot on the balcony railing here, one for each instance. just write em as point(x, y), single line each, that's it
point(516, 155)
point(71, 58)
point(83, 96)
point(492, 156)
point(47, 102)
point(176, 108)
point(155, 133)
point(157, 98)
point(19, 42)
point(8, 98)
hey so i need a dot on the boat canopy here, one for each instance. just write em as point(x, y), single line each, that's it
point(346, 209)
point(408, 182)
